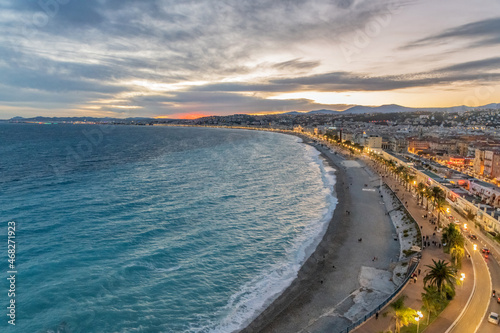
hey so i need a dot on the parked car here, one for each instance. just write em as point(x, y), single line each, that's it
point(493, 318)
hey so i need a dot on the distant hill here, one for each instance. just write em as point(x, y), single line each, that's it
point(323, 111)
point(295, 113)
point(391, 108)
point(394, 108)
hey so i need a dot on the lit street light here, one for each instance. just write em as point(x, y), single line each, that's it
point(417, 319)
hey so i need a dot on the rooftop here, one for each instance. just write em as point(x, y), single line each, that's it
point(484, 184)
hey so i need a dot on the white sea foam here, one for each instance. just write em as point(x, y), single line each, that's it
point(262, 290)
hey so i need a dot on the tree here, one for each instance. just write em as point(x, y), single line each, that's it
point(439, 204)
point(433, 301)
point(421, 187)
point(402, 315)
point(454, 244)
point(440, 275)
point(409, 180)
point(437, 192)
point(391, 164)
point(400, 171)
point(452, 237)
point(428, 197)
point(457, 252)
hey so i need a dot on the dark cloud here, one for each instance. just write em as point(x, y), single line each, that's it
point(296, 64)
point(478, 65)
point(474, 71)
point(344, 4)
point(43, 80)
point(481, 33)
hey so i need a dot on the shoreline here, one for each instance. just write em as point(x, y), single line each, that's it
point(313, 264)
point(323, 281)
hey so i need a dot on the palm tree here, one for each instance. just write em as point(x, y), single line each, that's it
point(421, 187)
point(433, 301)
point(400, 171)
point(452, 237)
point(428, 197)
point(391, 164)
point(403, 316)
point(457, 252)
point(440, 275)
point(439, 204)
point(409, 179)
point(437, 192)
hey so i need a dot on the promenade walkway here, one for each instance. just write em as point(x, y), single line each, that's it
point(413, 291)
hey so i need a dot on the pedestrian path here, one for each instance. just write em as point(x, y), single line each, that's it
point(413, 290)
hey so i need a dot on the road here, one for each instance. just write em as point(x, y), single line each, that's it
point(472, 318)
point(494, 267)
point(488, 278)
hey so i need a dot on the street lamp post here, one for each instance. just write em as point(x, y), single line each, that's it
point(417, 319)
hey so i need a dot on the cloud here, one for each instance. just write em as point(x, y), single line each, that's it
point(480, 33)
point(212, 54)
point(296, 64)
point(473, 71)
point(478, 65)
point(344, 81)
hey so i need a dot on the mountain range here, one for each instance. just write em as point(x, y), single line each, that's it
point(394, 108)
point(358, 109)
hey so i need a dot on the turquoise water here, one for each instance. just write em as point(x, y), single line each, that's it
point(154, 229)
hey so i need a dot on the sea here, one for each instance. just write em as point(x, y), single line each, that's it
point(153, 228)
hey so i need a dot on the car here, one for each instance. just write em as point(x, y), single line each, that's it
point(498, 300)
point(493, 318)
point(485, 250)
point(472, 236)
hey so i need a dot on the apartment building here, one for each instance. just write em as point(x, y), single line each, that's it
point(492, 163)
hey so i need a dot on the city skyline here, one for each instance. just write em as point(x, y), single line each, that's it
point(181, 60)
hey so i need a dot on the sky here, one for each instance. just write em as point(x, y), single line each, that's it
point(185, 59)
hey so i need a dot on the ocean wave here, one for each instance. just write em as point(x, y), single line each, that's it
point(256, 295)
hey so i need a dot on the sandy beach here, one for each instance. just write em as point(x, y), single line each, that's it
point(342, 280)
